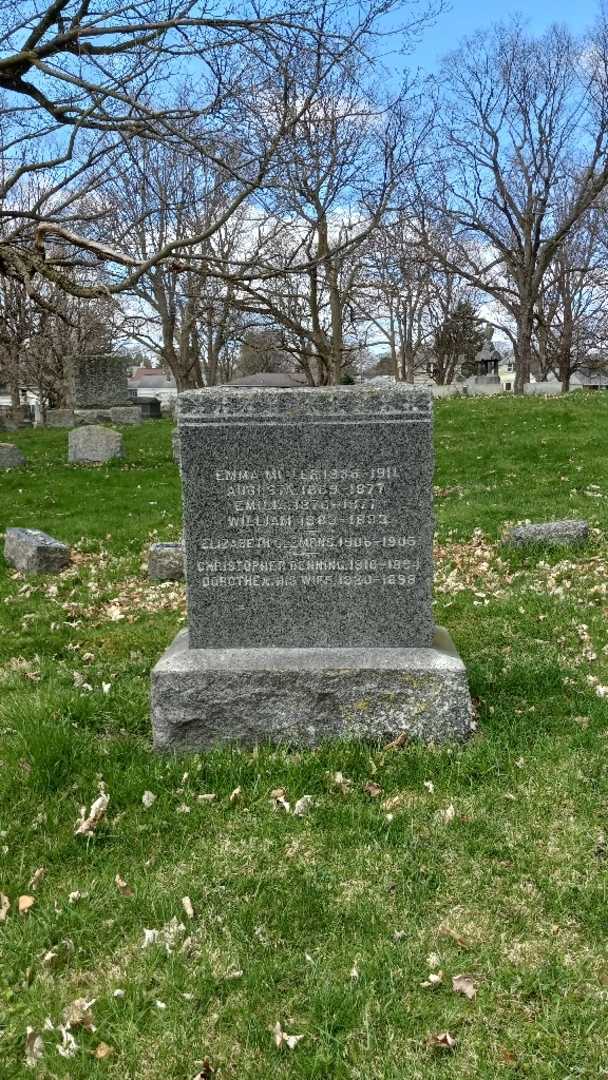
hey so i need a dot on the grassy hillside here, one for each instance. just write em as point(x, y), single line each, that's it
point(488, 861)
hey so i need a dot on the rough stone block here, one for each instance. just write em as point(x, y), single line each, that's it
point(62, 418)
point(11, 456)
point(548, 532)
point(125, 414)
point(166, 562)
point(35, 552)
point(94, 445)
point(302, 697)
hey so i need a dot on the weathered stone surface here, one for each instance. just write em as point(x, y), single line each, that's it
point(94, 445)
point(203, 697)
point(175, 446)
point(307, 516)
point(166, 562)
point(11, 456)
point(548, 532)
point(125, 414)
point(63, 418)
point(99, 380)
point(34, 551)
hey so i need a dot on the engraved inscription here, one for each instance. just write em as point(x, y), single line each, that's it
point(330, 527)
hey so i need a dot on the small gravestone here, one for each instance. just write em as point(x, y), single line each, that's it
point(560, 533)
point(150, 409)
point(94, 445)
point(308, 530)
point(60, 418)
point(11, 456)
point(166, 562)
point(125, 414)
point(35, 552)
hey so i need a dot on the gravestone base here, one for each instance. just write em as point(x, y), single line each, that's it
point(302, 697)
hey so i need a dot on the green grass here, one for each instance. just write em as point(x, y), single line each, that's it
point(332, 919)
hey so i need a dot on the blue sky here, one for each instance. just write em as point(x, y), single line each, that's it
point(465, 16)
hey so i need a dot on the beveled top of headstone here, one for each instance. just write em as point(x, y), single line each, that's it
point(308, 516)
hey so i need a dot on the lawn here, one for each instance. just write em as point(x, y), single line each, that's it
point(177, 936)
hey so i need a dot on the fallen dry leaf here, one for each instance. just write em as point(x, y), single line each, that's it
point(79, 1014)
point(68, 1046)
point(372, 789)
point(25, 904)
point(209, 796)
point(429, 785)
point(447, 814)
point(343, 783)
point(37, 877)
point(206, 1072)
point(282, 1039)
point(446, 931)
point(236, 794)
point(401, 740)
point(187, 906)
point(442, 1041)
point(103, 1051)
point(463, 984)
point(148, 798)
point(434, 980)
point(123, 888)
point(87, 825)
point(278, 799)
point(5, 906)
point(303, 805)
point(34, 1048)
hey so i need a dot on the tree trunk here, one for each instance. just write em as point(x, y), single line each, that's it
point(523, 348)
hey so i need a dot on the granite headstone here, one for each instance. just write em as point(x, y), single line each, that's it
point(33, 551)
point(99, 381)
point(11, 456)
point(308, 530)
point(94, 445)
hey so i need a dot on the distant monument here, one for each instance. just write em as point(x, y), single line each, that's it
point(98, 387)
point(486, 361)
point(308, 531)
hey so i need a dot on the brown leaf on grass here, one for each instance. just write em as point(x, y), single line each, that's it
point(401, 740)
point(343, 783)
point(463, 984)
point(236, 794)
point(187, 906)
point(34, 1048)
point(5, 907)
point(278, 799)
point(25, 904)
point(209, 796)
point(282, 1039)
point(434, 980)
point(79, 1014)
point(441, 1041)
point(372, 789)
point(447, 814)
point(37, 877)
point(103, 1051)
point(446, 931)
point(207, 1071)
point(87, 825)
point(303, 805)
point(123, 888)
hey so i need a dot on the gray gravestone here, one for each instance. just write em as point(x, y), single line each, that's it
point(34, 551)
point(94, 445)
point(308, 530)
point(150, 409)
point(11, 456)
point(60, 418)
point(99, 381)
point(166, 562)
point(548, 532)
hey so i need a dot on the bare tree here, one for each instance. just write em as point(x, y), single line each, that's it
point(517, 112)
